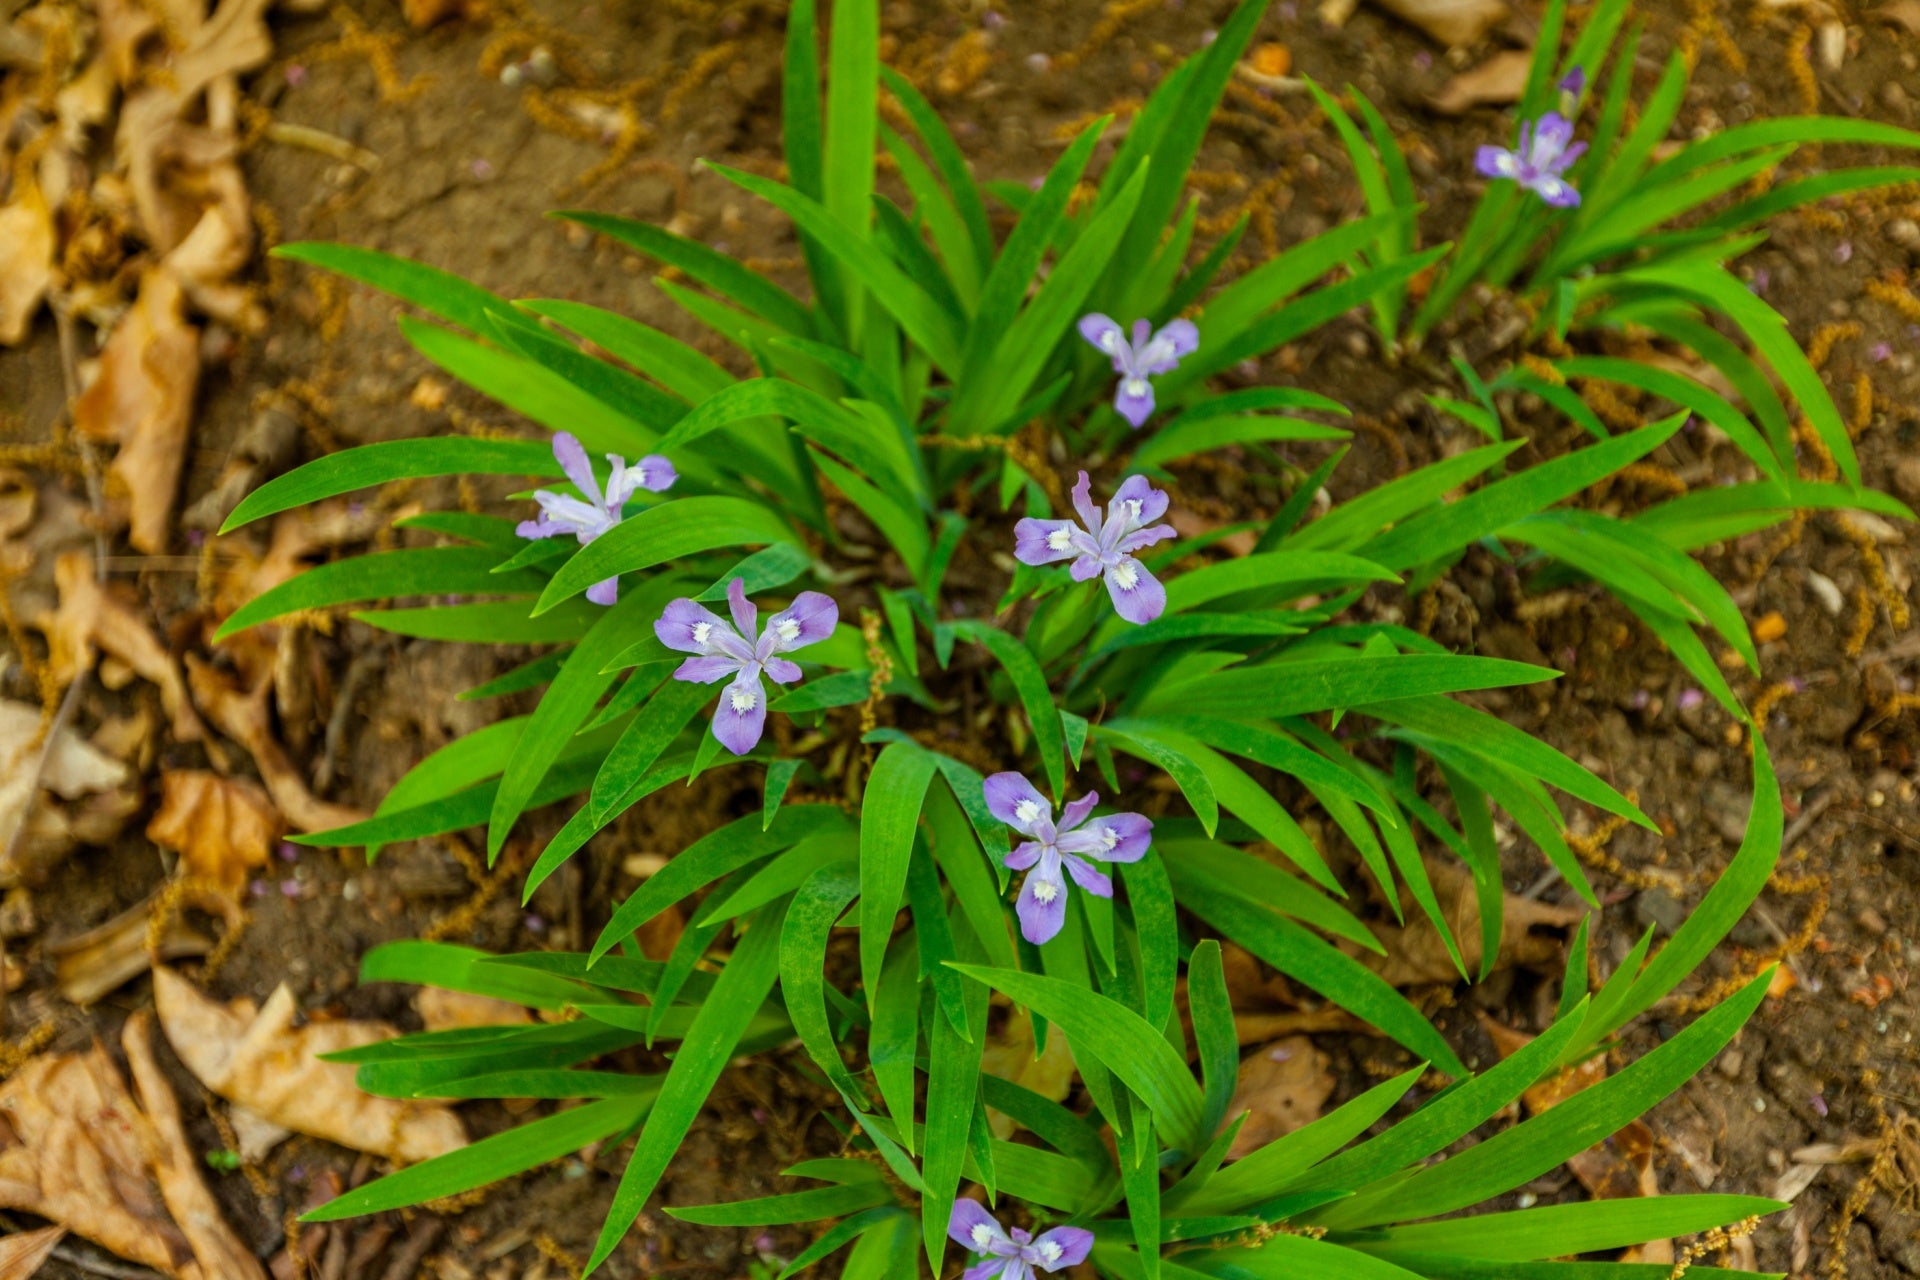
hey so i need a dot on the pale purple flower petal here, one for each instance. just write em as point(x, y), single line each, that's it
point(1042, 905)
point(1139, 501)
point(572, 458)
point(745, 615)
point(971, 1227)
point(1024, 855)
point(781, 671)
point(605, 591)
point(1083, 503)
point(689, 627)
point(742, 714)
point(1086, 568)
point(541, 528)
point(1097, 883)
point(1546, 150)
point(1106, 334)
point(810, 619)
point(1044, 541)
point(1014, 801)
point(1138, 357)
point(1137, 594)
point(1496, 162)
point(1060, 1248)
point(705, 670)
point(1176, 339)
point(1076, 813)
point(994, 1269)
point(1140, 539)
point(1133, 400)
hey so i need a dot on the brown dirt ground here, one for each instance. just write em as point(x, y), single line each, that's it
point(466, 173)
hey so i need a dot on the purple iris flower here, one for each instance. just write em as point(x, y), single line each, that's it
point(1105, 548)
point(1013, 1255)
point(722, 649)
point(1546, 151)
point(1136, 360)
point(591, 515)
point(1114, 837)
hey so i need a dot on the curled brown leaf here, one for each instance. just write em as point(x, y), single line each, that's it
point(220, 827)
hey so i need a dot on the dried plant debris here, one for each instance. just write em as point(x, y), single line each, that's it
point(1281, 1087)
point(36, 831)
point(92, 619)
point(221, 827)
point(88, 966)
point(1532, 933)
point(258, 1059)
point(1451, 22)
point(76, 1148)
point(243, 716)
point(22, 1253)
point(444, 1010)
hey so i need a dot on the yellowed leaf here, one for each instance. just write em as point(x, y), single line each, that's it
point(261, 1061)
point(1281, 1087)
point(1451, 22)
point(142, 401)
point(89, 965)
point(1498, 81)
point(443, 1010)
point(22, 1253)
point(220, 827)
point(26, 260)
point(91, 619)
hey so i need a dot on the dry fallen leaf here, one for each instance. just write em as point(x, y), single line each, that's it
point(26, 260)
point(142, 400)
point(261, 1061)
point(1904, 14)
point(1282, 1086)
point(77, 1149)
point(1532, 933)
point(87, 966)
point(90, 618)
point(444, 1010)
point(1451, 22)
point(220, 827)
point(1009, 1055)
point(75, 771)
point(1496, 82)
point(22, 1253)
point(243, 717)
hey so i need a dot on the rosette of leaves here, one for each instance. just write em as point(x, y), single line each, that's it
point(927, 344)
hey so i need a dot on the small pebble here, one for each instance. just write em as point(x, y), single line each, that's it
point(1759, 1104)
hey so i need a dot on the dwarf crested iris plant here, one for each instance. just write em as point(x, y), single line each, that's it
point(724, 649)
point(1279, 751)
point(1074, 843)
point(1105, 548)
point(592, 512)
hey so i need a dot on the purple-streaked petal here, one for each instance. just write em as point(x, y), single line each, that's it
point(1568, 156)
point(1083, 503)
point(1182, 335)
point(971, 1227)
point(1042, 906)
point(1142, 502)
point(810, 619)
point(572, 458)
point(1073, 1244)
point(1044, 541)
point(582, 519)
point(1133, 400)
point(1111, 837)
point(1550, 138)
point(991, 1269)
point(656, 473)
point(745, 615)
point(541, 528)
point(1496, 162)
point(1105, 333)
point(1140, 539)
point(1137, 594)
point(781, 671)
point(1556, 191)
point(605, 591)
point(1142, 331)
point(1024, 855)
point(622, 480)
point(689, 627)
point(1077, 810)
point(1097, 883)
point(741, 717)
point(1014, 801)
point(705, 670)
point(1086, 568)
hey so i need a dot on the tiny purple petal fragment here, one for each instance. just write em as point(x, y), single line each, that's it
point(1015, 1254)
point(1056, 850)
point(720, 650)
point(1546, 151)
point(594, 512)
point(1138, 357)
point(1105, 548)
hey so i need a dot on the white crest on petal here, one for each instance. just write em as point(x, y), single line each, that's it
point(786, 629)
point(982, 1237)
point(701, 630)
point(1026, 811)
point(1125, 576)
point(742, 699)
point(1045, 891)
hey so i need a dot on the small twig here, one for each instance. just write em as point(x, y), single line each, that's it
point(327, 144)
point(1808, 816)
point(357, 671)
point(425, 1234)
point(101, 1266)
